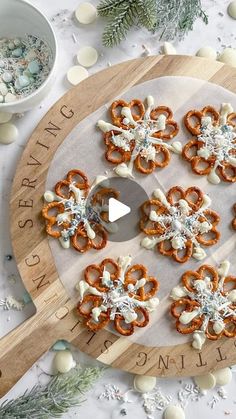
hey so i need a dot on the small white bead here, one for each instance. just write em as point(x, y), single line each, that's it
point(86, 13)
point(232, 9)
point(76, 74)
point(3, 89)
point(63, 361)
point(207, 52)
point(10, 98)
point(174, 412)
point(228, 56)
point(87, 56)
point(8, 133)
point(223, 376)
point(205, 382)
point(7, 77)
point(144, 383)
point(5, 117)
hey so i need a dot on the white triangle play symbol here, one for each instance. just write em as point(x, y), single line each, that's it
point(117, 210)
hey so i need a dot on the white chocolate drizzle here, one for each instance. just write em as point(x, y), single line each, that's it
point(219, 142)
point(180, 224)
point(117, 298)
point(141, 133)
point(214, 306)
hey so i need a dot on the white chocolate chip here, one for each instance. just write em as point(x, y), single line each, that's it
point(207, 52)
point(63, 361)
point(76, 74)
point(232, 9)
point(49, 196)
point(8, 133)
point(174, 412)
point(87, 56)
point(206, 381)
point(86, 13)
point(228, 56)
point(144, 383)
point(168, 49)
point(223, 376)
point(5, 117)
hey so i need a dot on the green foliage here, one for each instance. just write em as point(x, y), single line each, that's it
point(54, 399)
point(171, 18)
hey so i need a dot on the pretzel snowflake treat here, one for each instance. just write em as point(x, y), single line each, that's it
point(234, 219)
point(213, 150)
point(205, 304)
point(117, 292)
point(179, 223)
point(138, 136)
point(74, 219)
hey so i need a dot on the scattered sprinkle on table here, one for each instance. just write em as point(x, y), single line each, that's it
point(76, 74)
point(87, 56)
point(86, 13)
point(25, 63)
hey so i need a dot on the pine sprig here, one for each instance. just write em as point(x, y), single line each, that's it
point(171, 18)
point(54, 399)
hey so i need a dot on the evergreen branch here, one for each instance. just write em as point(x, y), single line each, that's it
point(108, 7)
point(54, 399)
point(119, 25)
point(147, 12)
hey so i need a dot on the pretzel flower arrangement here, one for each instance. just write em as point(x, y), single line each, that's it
point(117, 292)
point(179, 223)
point(205, 304)
point(212, 151)
point(139, 137)
point(74, 218)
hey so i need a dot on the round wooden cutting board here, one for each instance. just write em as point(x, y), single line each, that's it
point(55, 318)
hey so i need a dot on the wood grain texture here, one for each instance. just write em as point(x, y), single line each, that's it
point(55, 317)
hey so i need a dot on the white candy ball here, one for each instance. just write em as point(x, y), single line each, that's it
point(207, 52)
point(232, 9)
point(205, 382)
point(174, 412)
point(228, 56)
point(63, 361)
point(223, 376)
point(5, 117)
point(3, 89)
point(87, 56)
point(8, 133)
point(76, 74)
point(86, 13)
point(144, 383)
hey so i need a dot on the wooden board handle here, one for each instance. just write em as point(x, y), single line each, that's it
point(22, 347)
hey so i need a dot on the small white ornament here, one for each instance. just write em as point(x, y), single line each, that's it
point(63, 361)
point(223, 376)
point(87, 56)
point(174, 412)
point(207, 52)
point(228, 56)
point(144, 383)
point(206, 381)
point(232, 9)
point(8, 133)
point(76, 74)
point(86, 13)
point(5, 117)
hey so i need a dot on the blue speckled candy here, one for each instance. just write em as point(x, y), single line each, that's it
point(23, 81)
point(33, 67)
point(17, 52)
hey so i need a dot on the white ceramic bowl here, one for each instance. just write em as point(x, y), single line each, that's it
point(18, 18)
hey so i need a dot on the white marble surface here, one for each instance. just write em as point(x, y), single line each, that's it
point(219, 33)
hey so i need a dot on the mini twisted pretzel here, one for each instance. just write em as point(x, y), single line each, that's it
point(234, 219)
point(134, 105)
point(187, 305)
point(193, 119)
point(122, 292)
point(62, 187)
point(147, 226)
point(147, 167)
point(52, 228)
point(176, 193)
point(189, 278)
point(172, 127)
point(82, 243)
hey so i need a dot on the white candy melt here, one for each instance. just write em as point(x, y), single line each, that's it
point(8, 133)
point(199, 339)
point(177, 147)
point(76, 74)
point(174, 412)
point(86, 13)
point(228, 56)
point(168, 49)
point(199, 253)
point(178, 292)
point(224, 268)
point(144, 383)
point(63, 361)
point(49, 196)
point(205, 382)
point(87, 56)
point(5, 117)
point(207, 52)
point(232, 9)
point(223, 376)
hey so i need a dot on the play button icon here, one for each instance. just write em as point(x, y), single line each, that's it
point(123, 208)
point(117, 210)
